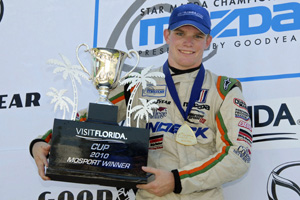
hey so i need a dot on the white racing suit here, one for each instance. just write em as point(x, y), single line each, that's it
point(220, 121)
point(221, 124)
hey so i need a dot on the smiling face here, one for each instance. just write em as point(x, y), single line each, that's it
point(186, 46)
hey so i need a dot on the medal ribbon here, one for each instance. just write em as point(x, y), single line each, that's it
point(195, 93)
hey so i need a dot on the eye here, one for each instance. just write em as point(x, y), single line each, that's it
point(179, 33)
point(199, 36)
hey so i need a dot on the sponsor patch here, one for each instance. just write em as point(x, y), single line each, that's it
point(196, 116)
point(203, 95)
point(155, 91)
point(202, 120)
point(246, 125)
point(159, 113)
point(227, 82)
point(242, 114)
point(162, 101)
point(156, 142)
point(245, 136)
point(201, 106)
point(243, 153)
point(173, 128)
point(198, 106)
point(240, 103)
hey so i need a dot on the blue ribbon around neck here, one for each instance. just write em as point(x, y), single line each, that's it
point(195, 93)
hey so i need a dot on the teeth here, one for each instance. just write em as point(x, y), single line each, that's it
point(187, 52)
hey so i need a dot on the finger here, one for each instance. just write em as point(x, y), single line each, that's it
point(144, 186)
point(44, 177)
point(140, 186)
point(149, 169)
point(47, 148)
point(45, 161)
point(152, 188)
point(41, 162)
point(41, 171)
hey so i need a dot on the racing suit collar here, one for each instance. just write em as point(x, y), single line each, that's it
point(178, 71)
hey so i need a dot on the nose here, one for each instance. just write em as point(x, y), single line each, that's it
point(188, 41)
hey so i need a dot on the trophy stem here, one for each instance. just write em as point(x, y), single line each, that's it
point(103, 93)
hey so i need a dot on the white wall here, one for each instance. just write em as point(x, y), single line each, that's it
point(266, 62)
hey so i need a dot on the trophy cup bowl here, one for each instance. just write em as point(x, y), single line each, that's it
point(107, 66)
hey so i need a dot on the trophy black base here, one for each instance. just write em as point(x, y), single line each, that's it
point(96, 178)
point(98, 151)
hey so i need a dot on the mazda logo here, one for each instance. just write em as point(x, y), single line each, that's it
point(276, 180)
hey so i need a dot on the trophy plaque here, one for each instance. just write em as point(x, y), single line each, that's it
point(99, 151)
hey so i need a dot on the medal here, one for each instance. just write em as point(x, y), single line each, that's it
point(186, 136)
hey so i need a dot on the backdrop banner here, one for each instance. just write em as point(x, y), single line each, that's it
point(255, 41)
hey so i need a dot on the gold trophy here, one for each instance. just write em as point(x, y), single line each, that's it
point(106, 69)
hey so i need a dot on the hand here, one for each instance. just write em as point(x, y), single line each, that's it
point(163, 184)
point(40, 150)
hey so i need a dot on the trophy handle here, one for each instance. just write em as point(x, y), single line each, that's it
point(82, 66)
point(138, 61)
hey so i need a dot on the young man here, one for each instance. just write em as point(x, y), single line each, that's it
point(200, 123)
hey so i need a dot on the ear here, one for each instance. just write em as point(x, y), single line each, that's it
point(208, 41)
point(167, 33)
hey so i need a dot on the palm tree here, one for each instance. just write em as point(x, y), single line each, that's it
point(144, 110)
point(60, 100)
point(72, 71)
point(135, 80)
